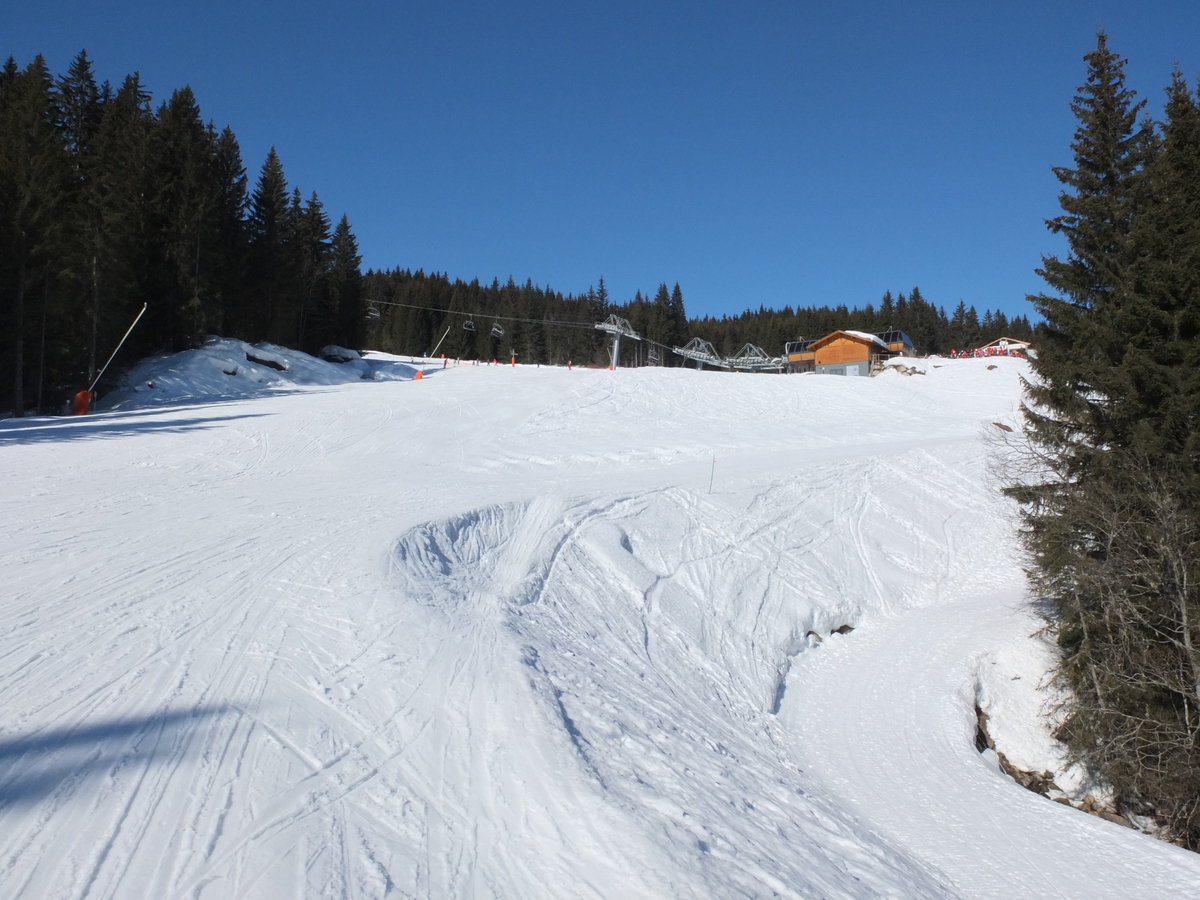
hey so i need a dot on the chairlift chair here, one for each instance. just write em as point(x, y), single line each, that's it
point(469, 325)
point(497, 330)
point(372, 313)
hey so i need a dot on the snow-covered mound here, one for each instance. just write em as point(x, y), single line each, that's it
point(491, 633)
point(225, 368)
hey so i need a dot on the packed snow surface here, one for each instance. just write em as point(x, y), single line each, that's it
point(489, 634)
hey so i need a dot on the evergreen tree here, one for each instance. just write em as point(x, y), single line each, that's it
point(345, 285)
point(268, 215)
point(677, 323)
point(182, 199)
point(1112, 523)
point(232, 238)
point(118, 190)
point(1104, 190)
point(311, 249)
point(33, 175)
point(81, 107)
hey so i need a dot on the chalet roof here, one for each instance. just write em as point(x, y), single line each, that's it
point(1007, 342)
point(860, 336)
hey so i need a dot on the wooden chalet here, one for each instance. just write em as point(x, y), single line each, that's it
point(847, 352)
point(799, 357)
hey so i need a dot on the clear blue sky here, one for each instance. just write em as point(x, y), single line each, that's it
point(756, 152)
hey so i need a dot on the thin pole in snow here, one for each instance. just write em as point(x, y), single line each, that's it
point(92, 386)
point(439, 344)
point(712, 474)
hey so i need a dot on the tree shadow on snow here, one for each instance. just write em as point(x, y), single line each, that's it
point(60, 760)
point(106, 425)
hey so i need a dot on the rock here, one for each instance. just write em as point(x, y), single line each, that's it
point(266, 358)
point(1110, 816)
point(334, 353)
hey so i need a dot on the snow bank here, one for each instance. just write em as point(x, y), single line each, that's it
point(226, 368)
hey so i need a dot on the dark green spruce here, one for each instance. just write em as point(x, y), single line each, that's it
point(1112, 493)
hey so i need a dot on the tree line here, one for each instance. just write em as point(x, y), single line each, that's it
point(416, 311)
point(1112, 493)
point(108, 203)
point(930, 329)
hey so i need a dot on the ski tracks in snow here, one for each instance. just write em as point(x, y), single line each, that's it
point(487, 635)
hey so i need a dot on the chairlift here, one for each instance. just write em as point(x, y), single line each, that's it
point(469, 325)
point(653, 357)
point(497, 330)
point(372, 313)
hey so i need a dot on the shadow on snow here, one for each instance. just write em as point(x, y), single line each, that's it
point(34, 766)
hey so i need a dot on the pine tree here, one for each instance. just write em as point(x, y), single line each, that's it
point(268, 214)
point(677, 323)
point(1112, 522)
point(119, 187)
point(311, 250)
point(80, 110)
point(33, 175)
point(346, 285)
point(182, 199)
point(232, 237)
point(1104, 191)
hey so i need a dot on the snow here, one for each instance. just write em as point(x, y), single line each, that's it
point(488, 634)
point(906, 365)
point(225, 368)
point(871, 338)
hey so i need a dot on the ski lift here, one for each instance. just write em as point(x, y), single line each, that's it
point(372, 313)
point(469, 325)
point(653, 357)
point(497, 330)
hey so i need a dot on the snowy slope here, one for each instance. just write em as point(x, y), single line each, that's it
point(488, 634)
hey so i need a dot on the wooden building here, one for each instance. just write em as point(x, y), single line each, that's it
point(847, 352)
point(799, 357)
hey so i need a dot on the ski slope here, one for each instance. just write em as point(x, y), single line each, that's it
point(490, 635)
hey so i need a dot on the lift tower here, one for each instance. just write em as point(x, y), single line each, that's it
point(616, 326)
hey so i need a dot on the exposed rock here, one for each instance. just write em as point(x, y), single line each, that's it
point(1042, 782)
point(1113, 817)
point(266, 358)
point(334, 353)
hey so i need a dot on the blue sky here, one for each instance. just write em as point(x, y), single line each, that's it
point(758, 152)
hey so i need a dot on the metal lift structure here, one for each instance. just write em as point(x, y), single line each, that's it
point(700, 352)
point(749, 359)
point(616, 326)
point(753, 359)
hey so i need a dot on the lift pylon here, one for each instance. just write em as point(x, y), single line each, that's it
point(753, 359)
point(616, 326)
point(700, 352)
